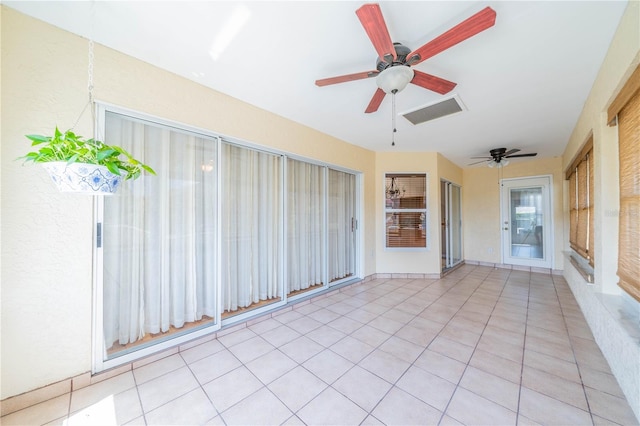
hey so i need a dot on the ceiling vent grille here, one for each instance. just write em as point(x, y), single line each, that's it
point(431, 112)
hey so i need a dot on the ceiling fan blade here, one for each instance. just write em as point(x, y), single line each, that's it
point(372, 20)
point(511, 151)
point(345, 78)
point(431, 82)
point(375, 101)
point(477, 162)
point(533, 154)
point(479, 22)
point(473, 158)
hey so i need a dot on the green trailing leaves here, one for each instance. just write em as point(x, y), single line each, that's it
point(73, 148)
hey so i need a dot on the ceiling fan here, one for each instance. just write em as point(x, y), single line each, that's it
point(393, 67)
point(497, 157)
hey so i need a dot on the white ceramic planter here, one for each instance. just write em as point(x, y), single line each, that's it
point(83, 178)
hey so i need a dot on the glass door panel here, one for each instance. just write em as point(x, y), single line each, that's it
point(527, 219)
point(341, 226)
point(306, 251)
point(456, 224)
point(251, 229)
point(159, 239)
point(526, 226)
point(451, 211)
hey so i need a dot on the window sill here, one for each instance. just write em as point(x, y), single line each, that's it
point(624, 312)
point(583, 268)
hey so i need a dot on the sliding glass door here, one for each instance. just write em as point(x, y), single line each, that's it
point(222, 233)
point(159, 250)
point(451, 214)
point(342, 226)
point(306, 227)
point(251, 229)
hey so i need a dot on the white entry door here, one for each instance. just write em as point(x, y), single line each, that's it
point(526, 222)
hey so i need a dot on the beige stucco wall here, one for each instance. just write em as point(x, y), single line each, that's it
point(612, 316)
point(449, 171)
point(47, 236)
point(414, 261)
point(481, 207)
point(621, 60)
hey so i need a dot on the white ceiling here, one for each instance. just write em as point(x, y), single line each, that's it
point(523, 81)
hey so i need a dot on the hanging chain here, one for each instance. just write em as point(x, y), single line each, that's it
point(393, 118)
point(90, 71)
point(89, 86)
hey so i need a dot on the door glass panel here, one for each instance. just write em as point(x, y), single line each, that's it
point(444, 214)
point(251, 229)
point(456, 221)
point(159, 246)
point(305, 226)
point(451, 211)
point(342, 225)
point(527, 220)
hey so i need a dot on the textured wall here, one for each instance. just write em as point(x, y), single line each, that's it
point(620, 347)
point(47, 237)
point(481, 207)
point(414, 261)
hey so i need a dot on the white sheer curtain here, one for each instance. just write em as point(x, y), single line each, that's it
point(159, 233)
point(251, 227)
point(341, 213)
point(305, 225)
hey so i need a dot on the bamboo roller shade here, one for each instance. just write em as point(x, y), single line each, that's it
point(629, 216)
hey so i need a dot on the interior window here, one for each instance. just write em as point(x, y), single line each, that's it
point(405, 210)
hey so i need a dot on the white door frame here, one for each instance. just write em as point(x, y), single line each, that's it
point(506, 185)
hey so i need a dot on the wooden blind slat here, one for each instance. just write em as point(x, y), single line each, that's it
point(629, 216)
point(581, 203)
point(582, 210)
point(586, 149)
point(590, 219)
point(582, 185)
point(629, 90)
point(573, 211)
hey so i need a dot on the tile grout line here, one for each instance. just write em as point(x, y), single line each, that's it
point(369, 412)
point(524, 345)
point(573, 351)
point(443, 327)
point(135, 381)
point(476, 345)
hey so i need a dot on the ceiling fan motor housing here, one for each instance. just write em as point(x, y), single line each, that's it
point(498, 153)
point(401, 55)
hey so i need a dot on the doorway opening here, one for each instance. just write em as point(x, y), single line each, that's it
point(526, 221)
point(451, 225)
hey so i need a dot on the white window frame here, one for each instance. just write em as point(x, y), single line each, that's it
point(425, 211)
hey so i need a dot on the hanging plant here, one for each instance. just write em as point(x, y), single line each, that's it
point(84, 165)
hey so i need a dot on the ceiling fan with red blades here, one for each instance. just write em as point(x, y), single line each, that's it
point(393, 67)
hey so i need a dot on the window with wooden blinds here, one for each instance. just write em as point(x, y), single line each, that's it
point(580, 175)
point(406, 210)
point(629, 216)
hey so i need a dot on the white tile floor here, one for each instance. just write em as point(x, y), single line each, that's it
point(480, 346)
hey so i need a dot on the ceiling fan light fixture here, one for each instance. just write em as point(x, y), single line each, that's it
point(502, 163)
point(394, 79)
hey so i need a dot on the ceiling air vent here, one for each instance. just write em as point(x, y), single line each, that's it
point(432, 111)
